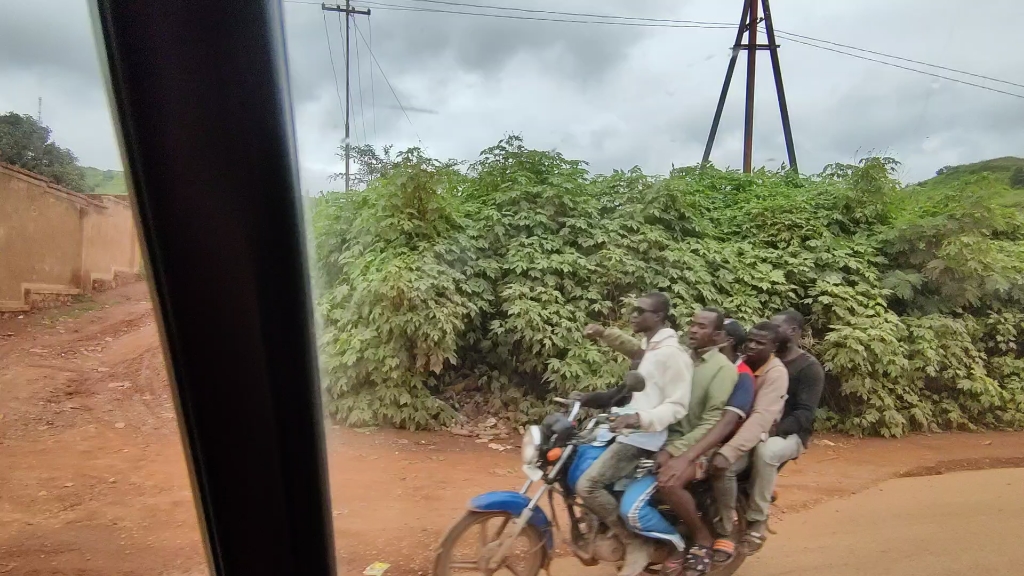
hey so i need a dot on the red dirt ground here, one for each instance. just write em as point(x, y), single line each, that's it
point(93, 478)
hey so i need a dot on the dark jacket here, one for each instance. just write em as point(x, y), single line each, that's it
point(806, 382)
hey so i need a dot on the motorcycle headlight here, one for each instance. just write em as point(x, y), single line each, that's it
point(531, 445)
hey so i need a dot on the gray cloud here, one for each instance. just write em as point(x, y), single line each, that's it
point(615, 96)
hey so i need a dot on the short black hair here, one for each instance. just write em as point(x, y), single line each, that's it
point(661, 302)
point(719, 316)
point(768, 328)
point(794, 318)
point(734, 331)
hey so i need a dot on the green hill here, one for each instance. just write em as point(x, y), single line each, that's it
point(999, 181)
point(999, 169)
point(105, 181)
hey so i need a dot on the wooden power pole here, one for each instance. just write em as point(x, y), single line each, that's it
point(749, 21)
point(349, 11)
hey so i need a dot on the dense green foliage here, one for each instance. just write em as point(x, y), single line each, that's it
point(26, 143)
point(438, 279)
point(105, 181)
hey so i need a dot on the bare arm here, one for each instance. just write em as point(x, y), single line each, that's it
point(726, 424)
point(718, 395)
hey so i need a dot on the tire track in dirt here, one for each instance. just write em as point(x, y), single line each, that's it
point(74, 368)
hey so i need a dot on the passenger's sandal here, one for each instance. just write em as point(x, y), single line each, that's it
point(752, 543)
point(698, 560)
point(723, 551)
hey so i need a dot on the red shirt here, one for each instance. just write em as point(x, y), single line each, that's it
point(742, 368)
point(742, 398)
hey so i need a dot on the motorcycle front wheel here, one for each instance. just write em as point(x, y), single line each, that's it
point(471, 543)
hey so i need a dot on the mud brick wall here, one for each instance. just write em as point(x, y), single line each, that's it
point(54, 240)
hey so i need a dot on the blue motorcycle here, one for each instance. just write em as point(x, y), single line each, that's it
point(509, 531)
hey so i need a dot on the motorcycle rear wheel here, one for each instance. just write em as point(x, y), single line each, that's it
point(482, 530)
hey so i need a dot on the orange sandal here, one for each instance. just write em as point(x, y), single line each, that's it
point(723, 551)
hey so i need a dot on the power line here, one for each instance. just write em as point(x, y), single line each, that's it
point(620, 20)
point(373, 95)
point(385, 76)
point(348, 80)
point(792, 35)
point(337, 87)
point(349, 11)
point(901, 67)
point(667, 21)
point(666, 24)
point(362, 108)
point(575, 14)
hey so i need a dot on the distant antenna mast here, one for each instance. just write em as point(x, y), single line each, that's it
point(748, 24)
point(39, 113)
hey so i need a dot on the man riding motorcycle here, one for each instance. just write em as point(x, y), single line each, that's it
point(714, 378)
point(791, 436)
point(770, 383)
point(667, 370)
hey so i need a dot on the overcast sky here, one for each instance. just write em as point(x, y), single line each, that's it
point(615, 96)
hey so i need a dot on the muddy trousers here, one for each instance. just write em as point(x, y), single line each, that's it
point(613, 465)
point(765, 460)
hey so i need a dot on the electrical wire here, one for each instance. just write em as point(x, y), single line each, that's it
point(576, 14)
point(667, 24)
point(667, 21)
point(385, 76)
point(348, 79)
point(362, 107)
point(337, 87)
point(373, 95)
point(901, 67)
point(792, 37)
point(621, 20)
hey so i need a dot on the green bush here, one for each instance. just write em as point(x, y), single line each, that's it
point(441, 282)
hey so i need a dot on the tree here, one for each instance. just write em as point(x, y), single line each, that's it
point(1017, 178)
point(26, 143)
point(371, 164)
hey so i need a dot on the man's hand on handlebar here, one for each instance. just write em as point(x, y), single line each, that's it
point(626, 421)
point(577, 396)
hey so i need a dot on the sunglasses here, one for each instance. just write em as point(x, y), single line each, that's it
point(640, 310)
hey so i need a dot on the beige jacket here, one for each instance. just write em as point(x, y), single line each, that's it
point(771, 383)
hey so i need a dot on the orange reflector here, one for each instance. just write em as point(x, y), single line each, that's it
point(554, 454)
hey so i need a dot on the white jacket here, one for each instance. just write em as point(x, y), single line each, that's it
point(668, 370)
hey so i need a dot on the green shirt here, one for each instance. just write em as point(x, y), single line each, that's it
point(714, 377)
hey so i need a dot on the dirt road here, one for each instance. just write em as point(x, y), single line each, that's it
point(93, 478)
point(948, 525)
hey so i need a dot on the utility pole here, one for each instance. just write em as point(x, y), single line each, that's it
point(349, 11)
point(749, 21)
point(748, 111)
point(39, 113)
